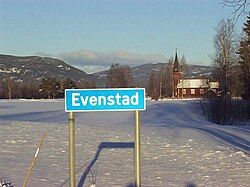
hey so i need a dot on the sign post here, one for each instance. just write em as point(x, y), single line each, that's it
point(137, 149)
point(71, 124)
point(118, 99)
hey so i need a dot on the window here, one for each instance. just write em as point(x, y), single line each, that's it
point(193, 91)
point(184, 91)
point(201, 91)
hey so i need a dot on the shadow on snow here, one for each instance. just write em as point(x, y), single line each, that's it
point(52, 116)
point(103, 145)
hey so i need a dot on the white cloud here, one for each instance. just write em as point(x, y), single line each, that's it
point(93, 58)
point(93, 61)
point(92, 69)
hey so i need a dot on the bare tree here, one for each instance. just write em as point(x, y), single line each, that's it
point(165, 80)
point(10, 86)
point(50, 87)
point(86, 84)
point(239, 7)
point(224, 55)
point(68, 84)
point(184, 66)
point(159, 84)
point(1, 89)
point(119, 76)
point(153, 86)
point(150, 84)
point(168, 81)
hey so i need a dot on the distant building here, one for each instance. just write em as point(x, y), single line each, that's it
point(191, 88)
point(177, 75)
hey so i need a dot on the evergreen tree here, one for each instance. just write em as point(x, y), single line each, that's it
point(244, 62)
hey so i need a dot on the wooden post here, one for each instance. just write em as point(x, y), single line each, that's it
point(137, 149)
point(33, 161)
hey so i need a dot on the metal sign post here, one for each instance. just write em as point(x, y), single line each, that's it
point(71, 123)
point(137, 149)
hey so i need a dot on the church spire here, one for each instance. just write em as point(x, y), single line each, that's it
point(176, 63)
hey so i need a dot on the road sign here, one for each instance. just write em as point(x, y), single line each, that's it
point(118, 99)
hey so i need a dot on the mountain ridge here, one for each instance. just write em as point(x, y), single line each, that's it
point(32, 69)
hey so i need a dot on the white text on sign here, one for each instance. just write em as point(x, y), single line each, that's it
point(105, 99)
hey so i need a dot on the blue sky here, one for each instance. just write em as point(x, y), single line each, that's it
point(28, 27)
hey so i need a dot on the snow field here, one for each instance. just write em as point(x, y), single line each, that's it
point(179, 147)
point(165, 161)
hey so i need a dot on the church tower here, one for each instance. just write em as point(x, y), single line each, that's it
point(176, 75)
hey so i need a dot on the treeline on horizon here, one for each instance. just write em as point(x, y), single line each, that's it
point(118, 76)
point(49, 88)
point(159, 84)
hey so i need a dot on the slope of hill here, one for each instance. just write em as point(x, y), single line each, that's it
point(32, 69)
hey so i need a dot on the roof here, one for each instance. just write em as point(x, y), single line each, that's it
point(214, 85)
point(193, 83)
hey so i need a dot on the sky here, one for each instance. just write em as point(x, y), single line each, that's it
point(145, 27)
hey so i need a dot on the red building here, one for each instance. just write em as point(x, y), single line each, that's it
point(191, 88)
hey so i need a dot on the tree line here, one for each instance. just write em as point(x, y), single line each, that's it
point(228, 54)
point(49, 88)
point(231, 59)
point(159, 84)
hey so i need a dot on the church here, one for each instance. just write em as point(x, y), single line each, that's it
point(191, 88)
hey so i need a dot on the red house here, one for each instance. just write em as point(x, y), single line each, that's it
point(191, 88)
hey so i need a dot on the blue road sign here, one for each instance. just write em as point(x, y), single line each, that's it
point(118, 99)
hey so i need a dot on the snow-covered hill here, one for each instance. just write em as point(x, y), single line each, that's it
point(32, 69)
point(179, 147)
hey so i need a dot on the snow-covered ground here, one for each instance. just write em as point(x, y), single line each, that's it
point(179, 147)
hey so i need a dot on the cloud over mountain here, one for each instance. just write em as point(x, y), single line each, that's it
point(92, 60)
